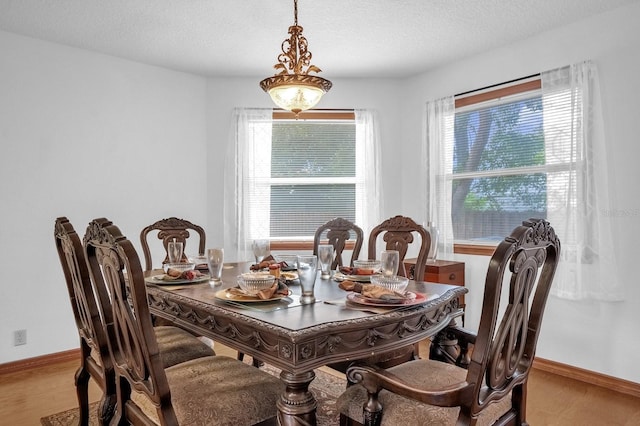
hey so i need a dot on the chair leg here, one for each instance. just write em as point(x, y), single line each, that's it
point(82, 377)
point(256, 362)
point(107, 407)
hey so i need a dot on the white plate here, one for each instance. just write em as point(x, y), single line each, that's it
point(157, 279)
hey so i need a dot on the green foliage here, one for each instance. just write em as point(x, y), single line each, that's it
point(506, 136)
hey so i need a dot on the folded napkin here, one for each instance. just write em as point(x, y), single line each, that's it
point(373, 291)
point(264, 264)
point(277, 289)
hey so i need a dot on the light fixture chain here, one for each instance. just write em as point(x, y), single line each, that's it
point(295, 12)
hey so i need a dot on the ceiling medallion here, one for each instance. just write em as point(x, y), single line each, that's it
point(292, 88)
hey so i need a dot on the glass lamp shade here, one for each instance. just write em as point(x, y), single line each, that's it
point(295, 92)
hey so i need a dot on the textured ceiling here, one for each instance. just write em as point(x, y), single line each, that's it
point(348, 38)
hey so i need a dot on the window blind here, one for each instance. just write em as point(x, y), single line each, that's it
point(312, 176)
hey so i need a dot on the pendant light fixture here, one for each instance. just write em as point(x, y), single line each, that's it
point(292, 88)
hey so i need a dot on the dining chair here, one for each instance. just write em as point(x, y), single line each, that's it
point(398, 233)
point(95, 361)
point(488, 387)
point(167, 230)
point(209, 390)
point(176, 345)
point(337, 232)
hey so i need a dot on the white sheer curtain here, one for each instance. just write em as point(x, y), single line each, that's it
point(439, 125)
point(249, 141)
point(370, 198)
point(587, 269)
point(247, 170)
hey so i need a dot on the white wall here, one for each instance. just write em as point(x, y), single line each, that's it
point(596, 336)
point(65, 113)
point(84, 135)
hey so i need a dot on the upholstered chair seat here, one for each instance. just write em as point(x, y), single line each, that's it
point(217, 390)
point(177, 345)
point(420, 374)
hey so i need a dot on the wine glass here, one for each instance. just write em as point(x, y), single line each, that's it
point(261, 249)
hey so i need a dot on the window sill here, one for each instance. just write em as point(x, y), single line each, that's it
point(301, 245)
point(473, 249)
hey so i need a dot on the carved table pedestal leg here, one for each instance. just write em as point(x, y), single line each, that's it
point(297, 406)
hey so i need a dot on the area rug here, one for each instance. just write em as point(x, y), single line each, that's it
point(326, 387)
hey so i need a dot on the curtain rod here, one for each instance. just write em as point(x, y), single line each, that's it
point(496, 85)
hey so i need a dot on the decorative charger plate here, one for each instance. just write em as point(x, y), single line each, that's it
point(158, 280)
point(361, 300)
point(229, 297)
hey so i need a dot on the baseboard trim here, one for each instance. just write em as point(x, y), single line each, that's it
point(587, 376)
point(40, 361)
point(608, 382)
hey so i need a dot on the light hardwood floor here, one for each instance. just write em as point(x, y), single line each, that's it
point(28, 395)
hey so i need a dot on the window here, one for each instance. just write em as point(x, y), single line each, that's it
point(313, 175)
point(499, 176)
point(531, 148)
point(294, 175)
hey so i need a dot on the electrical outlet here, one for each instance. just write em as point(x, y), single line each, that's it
point(19, 337)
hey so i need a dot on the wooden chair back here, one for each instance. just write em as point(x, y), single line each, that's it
point(337, 232)
point(115, 265)
point(168, 230)
point(505, 344)
point(398, 233)
point(95, 360)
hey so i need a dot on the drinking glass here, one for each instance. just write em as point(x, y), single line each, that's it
point(174, 251)
point(390, 260)
point(325, 259)
point(215, 259)
point(432, 229)
point(261, 249)
point(307, 271)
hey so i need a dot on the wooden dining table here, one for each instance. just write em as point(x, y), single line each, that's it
point(298, 338)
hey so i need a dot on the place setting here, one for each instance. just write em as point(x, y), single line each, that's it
point(260, 291)
point(265, 287)
point(180, 271)
point(375, 284)
point(361, 271)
